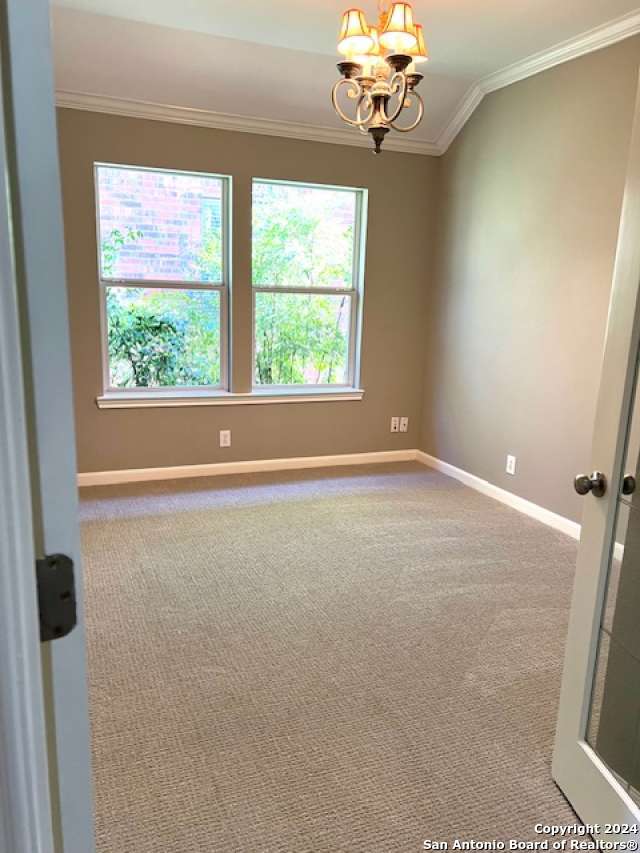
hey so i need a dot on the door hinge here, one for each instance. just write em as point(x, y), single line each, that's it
point(56, 596)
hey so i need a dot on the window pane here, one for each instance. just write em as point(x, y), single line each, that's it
point(303, 236)
point(302, 339)
point(163, 338)
point(158, 225)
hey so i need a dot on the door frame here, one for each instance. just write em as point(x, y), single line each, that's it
point(591, 788)
point(52, 777)
point(25, 813)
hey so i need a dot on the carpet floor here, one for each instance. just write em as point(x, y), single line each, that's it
point(341, 660)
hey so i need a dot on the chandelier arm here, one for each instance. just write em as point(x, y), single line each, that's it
point(418, 119)
point(361, 95)
point(360, 122)
point(399, 80)
point(365, 96)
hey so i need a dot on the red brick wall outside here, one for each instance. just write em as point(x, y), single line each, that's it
point(175, 213)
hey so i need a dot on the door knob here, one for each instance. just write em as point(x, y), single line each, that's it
point(595, 483)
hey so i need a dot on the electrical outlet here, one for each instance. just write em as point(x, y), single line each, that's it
point(511, 465)
point(395, 424)
point(404, 424)
point(225, 438)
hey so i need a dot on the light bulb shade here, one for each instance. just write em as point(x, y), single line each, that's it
point(354, 35)
point(371, 55)
point(399, 31)
point(419, 52)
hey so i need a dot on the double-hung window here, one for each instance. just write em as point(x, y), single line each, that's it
point(163, 260)
point(163, 257)
point(307, 254)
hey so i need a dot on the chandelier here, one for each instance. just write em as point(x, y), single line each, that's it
point(379, 71)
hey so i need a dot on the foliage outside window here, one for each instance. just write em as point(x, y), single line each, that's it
point(163, 273)
point(306, 281)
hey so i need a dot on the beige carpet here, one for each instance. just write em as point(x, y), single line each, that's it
point(345, 660)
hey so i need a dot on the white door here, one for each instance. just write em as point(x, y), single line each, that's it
point(596, 759)
point(45, 776)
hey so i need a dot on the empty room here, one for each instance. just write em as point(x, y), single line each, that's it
point(319, 429)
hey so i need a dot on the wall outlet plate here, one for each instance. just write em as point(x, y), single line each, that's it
point(511, 465)
point(404, 424)
point(395, 424)
point(225, 438)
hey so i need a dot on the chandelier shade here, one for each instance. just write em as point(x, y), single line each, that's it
point(373, 53)
point(354, 35)
point(419, 53)
point(399, 31)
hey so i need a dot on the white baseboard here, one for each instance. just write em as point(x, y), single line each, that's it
point(215, 469)
point(552, 519)
point(546, 516)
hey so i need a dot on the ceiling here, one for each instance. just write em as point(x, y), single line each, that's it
point(276, 60)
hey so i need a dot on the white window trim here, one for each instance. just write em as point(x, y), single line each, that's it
point(223, 288)
point(356, 294)
point(264, 395)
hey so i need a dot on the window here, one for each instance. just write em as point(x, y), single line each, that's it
point(307, 282)
point(163, 261)
point(163, 256)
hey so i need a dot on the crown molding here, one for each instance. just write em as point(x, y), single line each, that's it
point(241, 124)
point(588, 42)
point(465, 109)
point(595, 39)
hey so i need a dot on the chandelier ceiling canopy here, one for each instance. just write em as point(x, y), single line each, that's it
point(379, 71)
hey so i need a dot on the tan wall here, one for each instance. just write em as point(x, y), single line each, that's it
point(523, 213)
point(401, 208)
point(529, 208)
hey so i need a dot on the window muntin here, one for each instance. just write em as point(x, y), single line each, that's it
point(162, 256)
point(307, 251)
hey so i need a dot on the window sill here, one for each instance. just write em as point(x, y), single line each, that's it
point(162, 399)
